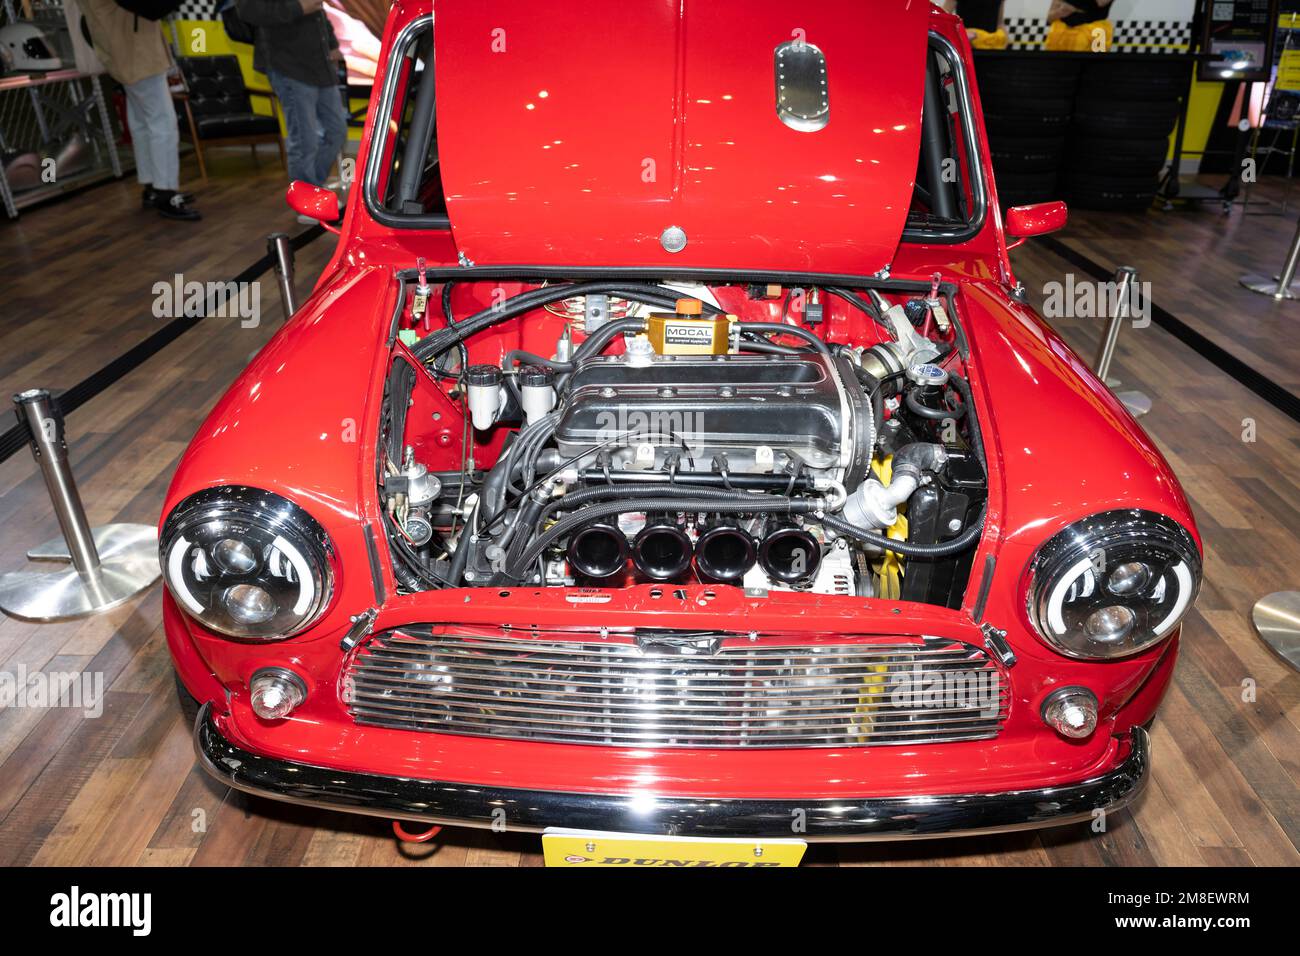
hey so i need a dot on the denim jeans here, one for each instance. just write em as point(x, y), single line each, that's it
point(317, 126)
point(151, 117)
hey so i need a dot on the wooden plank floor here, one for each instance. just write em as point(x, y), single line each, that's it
point(1193, 256)
point(123, 788)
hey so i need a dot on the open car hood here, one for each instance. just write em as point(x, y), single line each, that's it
point(571, 135)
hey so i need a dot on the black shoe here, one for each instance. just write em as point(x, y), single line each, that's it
point(173, 205)
point(149, 198)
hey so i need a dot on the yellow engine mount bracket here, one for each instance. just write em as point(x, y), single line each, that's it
point(889, 568)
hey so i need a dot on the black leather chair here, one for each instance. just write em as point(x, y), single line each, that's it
point(218, 108)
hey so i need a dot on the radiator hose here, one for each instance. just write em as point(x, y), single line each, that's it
point(908, 549)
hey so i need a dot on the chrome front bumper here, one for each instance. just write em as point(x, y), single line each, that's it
point(865, 818)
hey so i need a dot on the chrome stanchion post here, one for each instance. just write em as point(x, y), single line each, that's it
point(51, 451)
point(277, 245)
point(1137, 403)
point(110, 564)
point(1280, 286)
point(1125, 276)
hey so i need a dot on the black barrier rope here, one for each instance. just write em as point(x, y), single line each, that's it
point(1276, 395)
point(73, 398)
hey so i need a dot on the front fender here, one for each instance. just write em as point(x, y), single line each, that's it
point(1061, 445)
point(299, 421)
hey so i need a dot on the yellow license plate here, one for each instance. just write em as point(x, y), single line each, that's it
point(579, 848)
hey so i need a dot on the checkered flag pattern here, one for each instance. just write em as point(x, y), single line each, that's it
point(1025, 32)
point(1130, 36)
point(1152, 36)
point(197, 10)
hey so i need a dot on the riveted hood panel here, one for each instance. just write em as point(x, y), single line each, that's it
point(571, 134)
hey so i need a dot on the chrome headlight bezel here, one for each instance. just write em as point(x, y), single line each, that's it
point(291, 558)
point(1073, 574)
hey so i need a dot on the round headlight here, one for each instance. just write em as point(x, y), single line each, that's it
point(1113, 584)
point(247, 563)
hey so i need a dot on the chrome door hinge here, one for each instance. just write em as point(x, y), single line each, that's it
point(362, 624)
point(995, 639)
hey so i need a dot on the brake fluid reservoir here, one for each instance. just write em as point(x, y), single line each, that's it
point(536, 391)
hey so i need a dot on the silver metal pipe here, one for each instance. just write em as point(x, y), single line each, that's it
point(1125, 277)
point(1278, 287)
point(277, 245)
point(51, 451)
point(1288, 270)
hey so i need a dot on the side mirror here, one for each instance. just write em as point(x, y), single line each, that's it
point(1039, 219)
point(316, 203)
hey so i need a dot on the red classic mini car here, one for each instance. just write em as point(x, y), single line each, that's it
point(667, 451)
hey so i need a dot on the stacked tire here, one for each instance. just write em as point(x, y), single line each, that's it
point(1118, 140)
point(1027, 104)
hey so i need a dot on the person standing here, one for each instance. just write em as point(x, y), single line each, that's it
point(297, 50)
point(133, 52)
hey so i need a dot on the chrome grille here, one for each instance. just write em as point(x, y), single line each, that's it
point(666, 690)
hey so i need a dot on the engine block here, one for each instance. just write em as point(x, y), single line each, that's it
point(745, 414)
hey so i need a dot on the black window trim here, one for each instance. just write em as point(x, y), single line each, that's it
point(403, 46)
point(958, 232)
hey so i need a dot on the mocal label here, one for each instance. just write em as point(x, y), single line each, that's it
point(674, 335)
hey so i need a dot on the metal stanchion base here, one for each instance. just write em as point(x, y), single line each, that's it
point(1268, 286)
point(128, 555)
point(1137, 403)
point(1277, 618)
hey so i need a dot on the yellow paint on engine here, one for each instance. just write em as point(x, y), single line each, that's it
point(889, 569)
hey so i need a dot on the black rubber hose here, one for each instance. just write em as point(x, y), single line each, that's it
point(595, 343)
point(583, 495)
point(524, 357)
point(910, 550)
point(443, 339)
point(494, 485)
point(446, 302)
point(918, 456)
point(780, 328)
point(406, 577)
point(460, 557)
point(747, 504)
point(512, 542)
point(770, 348)
point(412, 560)
point(521, 453)
point(932, 414)
point(857, 302)
point(546, 431)
point(972, 420)
point(877, 404)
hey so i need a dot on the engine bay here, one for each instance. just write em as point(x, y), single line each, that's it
point(607, 434)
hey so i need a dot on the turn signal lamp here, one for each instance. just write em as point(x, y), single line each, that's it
point(275, 693)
